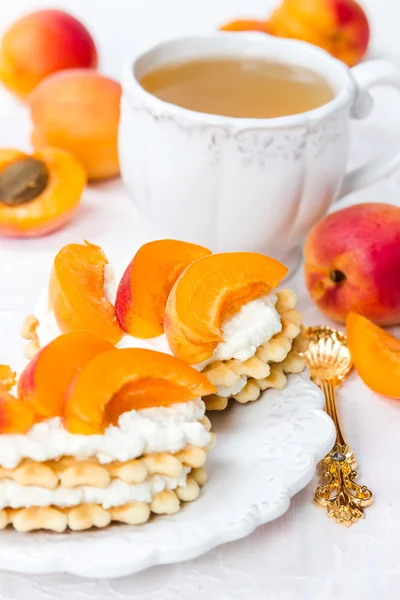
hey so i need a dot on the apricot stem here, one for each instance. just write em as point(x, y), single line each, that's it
point(23, 181)
point(337, 276)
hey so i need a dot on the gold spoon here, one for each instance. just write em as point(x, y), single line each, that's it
point(329, 361)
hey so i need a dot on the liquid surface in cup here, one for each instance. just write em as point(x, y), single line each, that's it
point(249, 88)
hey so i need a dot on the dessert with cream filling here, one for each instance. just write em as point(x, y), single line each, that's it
point(95, 434)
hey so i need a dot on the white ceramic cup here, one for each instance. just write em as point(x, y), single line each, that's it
point(244, 184)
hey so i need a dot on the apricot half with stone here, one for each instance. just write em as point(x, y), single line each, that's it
point(38, 193)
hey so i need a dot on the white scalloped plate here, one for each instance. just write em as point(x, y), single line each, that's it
point(266, 452)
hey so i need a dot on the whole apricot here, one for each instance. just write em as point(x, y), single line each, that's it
point(42, 43)
point(339, 26)
point(353, 263)
point(78, 110)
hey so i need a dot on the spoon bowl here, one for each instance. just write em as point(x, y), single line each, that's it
point(328, 357)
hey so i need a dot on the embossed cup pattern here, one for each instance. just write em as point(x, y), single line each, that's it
point(229, 188)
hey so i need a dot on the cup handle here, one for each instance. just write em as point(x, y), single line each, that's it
point(366, 75)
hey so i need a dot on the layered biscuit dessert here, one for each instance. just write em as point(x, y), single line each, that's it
point(94, 434)
point(221, 313)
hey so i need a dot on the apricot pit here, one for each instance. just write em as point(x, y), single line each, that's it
point(23, 181)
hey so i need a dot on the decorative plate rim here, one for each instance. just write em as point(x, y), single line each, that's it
point(289, 435)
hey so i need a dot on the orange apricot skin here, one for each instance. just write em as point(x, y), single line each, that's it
point(76, 292)
point(55, 206)
point(15, 416)
point(245, 25)
point(210, 291)
point(375, 354)
point(42, 43)
point(363, 243)
point(339, 26)
point(101, 379)
point(144, 394)
point(44, 382)
point(78, 110)
point(145, 286)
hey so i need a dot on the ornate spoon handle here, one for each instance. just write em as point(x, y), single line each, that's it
point(343, 499)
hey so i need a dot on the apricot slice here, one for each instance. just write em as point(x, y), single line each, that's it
point(8, 377)
point(45, 380)
point(76, 292)
point(15, 416)
point(144, 394)
point(144, 288)
point(210, 291)
point(375, 354)
point(105, 375)
point(39, 193)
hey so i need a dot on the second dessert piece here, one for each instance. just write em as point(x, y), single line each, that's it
point(225, 317)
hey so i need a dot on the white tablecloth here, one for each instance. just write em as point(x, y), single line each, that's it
point(304, 555)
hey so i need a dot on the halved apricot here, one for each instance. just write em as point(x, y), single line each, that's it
point(15, 416)
point(375, 354)
point(76, 292)
point(38, 193)
point(45, 380)
point(147, 281)
point(105, 375)
point(210, 291)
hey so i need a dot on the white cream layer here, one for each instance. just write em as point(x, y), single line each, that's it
point(159, 429)
point(254, 325)
point(117, 493)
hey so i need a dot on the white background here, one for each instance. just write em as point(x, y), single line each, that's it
point(304, 555)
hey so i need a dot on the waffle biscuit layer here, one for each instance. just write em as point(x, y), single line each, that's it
point(268, 367)
point(86, 516)
point(69, 472)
